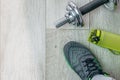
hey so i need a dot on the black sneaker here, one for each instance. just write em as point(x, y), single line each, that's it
point(82, 61)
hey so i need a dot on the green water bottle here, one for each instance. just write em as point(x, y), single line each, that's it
point(105, 39)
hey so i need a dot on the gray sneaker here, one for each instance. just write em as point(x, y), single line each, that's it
point(82, 61)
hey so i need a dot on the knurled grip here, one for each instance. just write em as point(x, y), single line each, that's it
point(92, 5)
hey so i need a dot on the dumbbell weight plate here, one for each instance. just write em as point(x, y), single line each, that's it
point(111, 5)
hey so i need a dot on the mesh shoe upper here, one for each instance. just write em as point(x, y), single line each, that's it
point(81, 60)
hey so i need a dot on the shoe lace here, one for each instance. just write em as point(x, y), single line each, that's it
point(91, 66)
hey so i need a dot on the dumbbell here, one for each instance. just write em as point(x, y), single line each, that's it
point(74, 13)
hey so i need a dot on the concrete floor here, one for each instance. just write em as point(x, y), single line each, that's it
point(32, 48)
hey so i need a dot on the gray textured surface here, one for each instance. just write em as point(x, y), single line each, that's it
point(22, 40)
